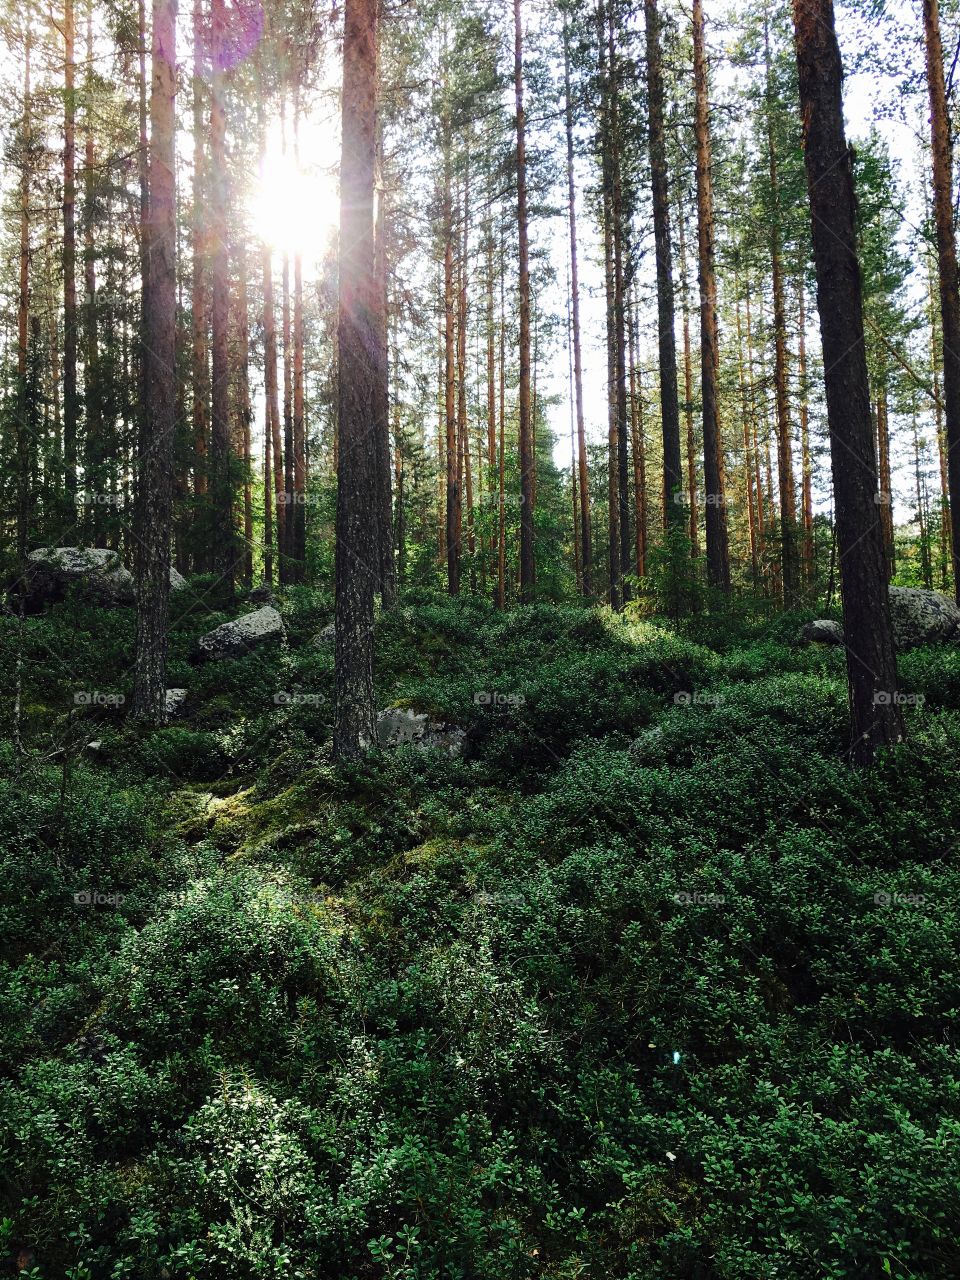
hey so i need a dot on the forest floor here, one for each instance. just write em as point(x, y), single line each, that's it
point(648, 983)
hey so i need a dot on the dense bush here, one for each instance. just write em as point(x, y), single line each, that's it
point(648, 984)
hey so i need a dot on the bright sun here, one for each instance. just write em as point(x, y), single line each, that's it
point(295, 209)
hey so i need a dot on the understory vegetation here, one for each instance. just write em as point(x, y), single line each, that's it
point(648, 983)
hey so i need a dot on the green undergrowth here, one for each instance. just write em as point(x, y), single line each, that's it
point(648, 983)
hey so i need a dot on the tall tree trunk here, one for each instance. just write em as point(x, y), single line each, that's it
point(223, 540)
point(586, 551)
point(669, 403)
point(875, 713)
point(614, 541)
point(386, 567)
point(947, 262)
point(748, 459)
point(453, 508)
point(693, 505)
point(885, 494)
point(94, 480)
point(639, 449)
point(70, 402)
point(160, 323)
point(620, 339)
point(715, 515)
point(806, 457)
point(462, 428)
point(27, 395)
point(527, 460)
point(244, 415)
point(501, 456)
point(946, 558)
point(357, 383)
point(199, 294)
point(788, 510)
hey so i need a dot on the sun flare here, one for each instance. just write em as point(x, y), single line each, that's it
point(294, 209)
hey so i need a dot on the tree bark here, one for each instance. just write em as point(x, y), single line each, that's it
point(947, 263)
point(70, 402)
point(454, 515)
point(160, 318)
point(527, 462)
point(357, 382)
point(785, 479)
point(223, 539)
point(715, 515)
point(199, 291)
point(669, 403)
point(386, 572)
point(583, 479)
point(875, 714)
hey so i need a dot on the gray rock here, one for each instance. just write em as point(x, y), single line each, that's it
point(823, 631)
point(262, 595)
point(326, 635)
point(242, 634)
point(97, 572)
point(923, 617)
point(174, 702)
point(918, 616)
point(402, 726)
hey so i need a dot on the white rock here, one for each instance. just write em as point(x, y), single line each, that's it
point(98, 572)
point(174, 702)
point(242, 634)
point(399, 726)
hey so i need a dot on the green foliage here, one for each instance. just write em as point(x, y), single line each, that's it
point(648, 984)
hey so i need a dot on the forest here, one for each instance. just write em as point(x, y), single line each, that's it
point(479, 640)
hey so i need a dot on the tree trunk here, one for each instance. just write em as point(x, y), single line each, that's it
point(693, 506)
point(299, 538)
point(806, 458)
point(669, 404)
point(94, 451)
point(947, 262)
point(200, 302)
point(885, 494)
point(748, 459)
point(357, 383)
point(788, 510)
point(160, 322)
point(386, 568)
point(527, 461)
point(586, 552)
point(715, 515)
point(454, 514)
point(244, 415)
point(223, 539)
point(639, 450)
point(875, 713)
point(614, 541)
point(70, 403)
point(462, 429)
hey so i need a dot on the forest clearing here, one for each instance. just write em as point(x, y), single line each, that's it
point(480, 640)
